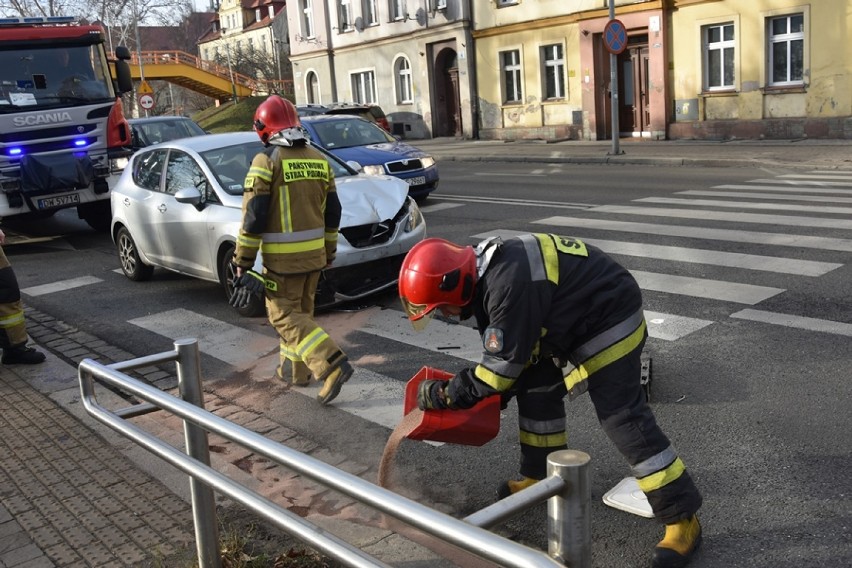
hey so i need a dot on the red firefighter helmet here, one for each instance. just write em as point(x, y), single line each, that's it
point(436, 273)
point(276, 118)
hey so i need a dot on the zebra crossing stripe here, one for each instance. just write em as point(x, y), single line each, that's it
point(716, 258)
point(461, 341)
point(741, 205)
point(827, 182)
point(820, 175)
point(738, 236)
point(777, 196)
point(731, 216)
point(234, 345)
point(704, 288)
point(60, 286)
point(800, 322)
point(791, 189)
point(439, 207)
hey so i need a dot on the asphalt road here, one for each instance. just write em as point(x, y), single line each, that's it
point(748, 302)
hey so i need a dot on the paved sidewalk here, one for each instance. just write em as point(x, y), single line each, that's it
point(74, 493)
point(810, 154)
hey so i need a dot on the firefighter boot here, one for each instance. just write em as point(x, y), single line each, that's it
point(680, 543)
point(301, 375)
point(21, 355)
point(334, 382)
point(513, 486)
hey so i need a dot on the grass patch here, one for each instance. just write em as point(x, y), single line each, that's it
point(229, 117)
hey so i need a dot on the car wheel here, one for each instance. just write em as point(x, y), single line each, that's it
point(128, 255)
point(256, 306)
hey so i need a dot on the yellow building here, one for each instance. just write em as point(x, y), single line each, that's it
point(684, 69)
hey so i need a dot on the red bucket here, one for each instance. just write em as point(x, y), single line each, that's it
point(471, 427)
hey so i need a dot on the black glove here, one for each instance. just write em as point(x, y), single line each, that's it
point(432, 396)
point(249, 284)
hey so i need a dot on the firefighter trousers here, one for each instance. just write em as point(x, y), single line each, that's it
point(290, 307)
point(627, 420)
point(13, 329)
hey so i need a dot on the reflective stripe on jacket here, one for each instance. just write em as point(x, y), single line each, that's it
point(546, 296)
point(285, 211)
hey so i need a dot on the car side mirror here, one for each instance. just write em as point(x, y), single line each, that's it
point(190, 195)
point(354, 165)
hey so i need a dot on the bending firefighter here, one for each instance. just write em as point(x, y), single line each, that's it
point(292, 214)
point(557, 317)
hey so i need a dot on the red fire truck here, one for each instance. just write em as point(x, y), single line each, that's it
point(62, 126)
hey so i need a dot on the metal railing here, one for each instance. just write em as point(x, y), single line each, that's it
point(567, 486)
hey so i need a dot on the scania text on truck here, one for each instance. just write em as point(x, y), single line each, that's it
point(62, 126)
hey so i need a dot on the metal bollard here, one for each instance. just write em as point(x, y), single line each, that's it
point(569, 519)
point(203, 500)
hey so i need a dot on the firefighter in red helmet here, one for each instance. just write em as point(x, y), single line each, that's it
point(292, 214)
point(557, 317)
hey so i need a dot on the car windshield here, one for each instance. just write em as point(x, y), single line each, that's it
point(349, 132)
point(156, 131)
point(230, 164)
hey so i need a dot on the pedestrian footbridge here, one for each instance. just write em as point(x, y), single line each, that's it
point(205, 77)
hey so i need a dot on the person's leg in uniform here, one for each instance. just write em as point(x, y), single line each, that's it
point(628, 421)
point(541, 423)
point(13, 328)
point(302, 337)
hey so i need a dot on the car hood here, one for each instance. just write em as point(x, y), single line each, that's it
point(378, 153)
point(364, 199)
point(370, 199)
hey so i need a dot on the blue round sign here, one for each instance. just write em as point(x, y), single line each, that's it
point(615, 37)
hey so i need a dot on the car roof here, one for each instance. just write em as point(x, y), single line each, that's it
point(331, 117)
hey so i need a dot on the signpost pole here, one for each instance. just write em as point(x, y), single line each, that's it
point(613, 85)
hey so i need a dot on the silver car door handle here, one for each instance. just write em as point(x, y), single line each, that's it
point(127, 201)
point(162, 208)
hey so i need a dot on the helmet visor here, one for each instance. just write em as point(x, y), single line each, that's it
point(419, 314)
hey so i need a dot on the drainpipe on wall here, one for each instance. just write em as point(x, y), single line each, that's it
point(330, 56)
point(471, 67)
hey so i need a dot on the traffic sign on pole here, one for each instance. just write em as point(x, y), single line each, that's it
point(146, 101)
point(615, 37)
point(144, 88)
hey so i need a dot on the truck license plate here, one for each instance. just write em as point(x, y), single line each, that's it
point(58, 201)
point(419, 180)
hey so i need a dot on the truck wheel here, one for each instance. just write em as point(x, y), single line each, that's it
point(257, 306)
point(97, 214)
point(128, 255)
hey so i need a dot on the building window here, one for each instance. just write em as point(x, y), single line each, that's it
point(402, 72)
point(719, 57)
point(510, 65)
point(787, 50)
point(371, 12)
point(554, 71)
point(272, 11)
point(364, 87)
point(257, 14)
point(307, 18)
point(397, 9)
point(344, 14)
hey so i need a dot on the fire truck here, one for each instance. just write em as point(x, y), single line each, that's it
point(62, 128)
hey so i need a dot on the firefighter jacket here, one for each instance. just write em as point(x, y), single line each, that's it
point(547, 297)
point(290, 211)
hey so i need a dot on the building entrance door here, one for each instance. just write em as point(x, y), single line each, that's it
point(633, 112)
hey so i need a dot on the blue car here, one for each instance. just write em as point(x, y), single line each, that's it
point(353, 139)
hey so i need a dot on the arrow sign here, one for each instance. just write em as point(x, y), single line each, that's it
point(615, 37)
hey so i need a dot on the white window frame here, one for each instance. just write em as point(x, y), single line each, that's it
point(787, 39)
point(396, 9)
point(721, 47)
point(440, 4)
point(345, 18)
point(370, 11)
point(307, 19)
point(257, 14)
point(514, 68)
point(363, 85)
point(403, 81)
point(553, 67)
